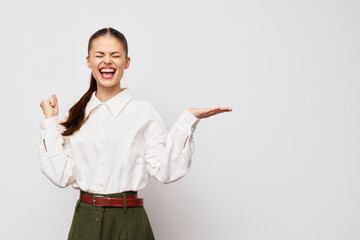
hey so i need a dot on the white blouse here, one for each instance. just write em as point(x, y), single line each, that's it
point(123, 142)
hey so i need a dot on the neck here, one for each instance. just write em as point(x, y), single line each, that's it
point(105, 93)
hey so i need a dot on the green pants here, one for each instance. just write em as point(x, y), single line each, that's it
point(109, 223)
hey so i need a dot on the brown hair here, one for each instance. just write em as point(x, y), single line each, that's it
point(75, 118)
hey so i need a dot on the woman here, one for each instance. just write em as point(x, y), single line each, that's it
point(109, 144)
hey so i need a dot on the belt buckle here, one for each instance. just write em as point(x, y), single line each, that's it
point(94, 200)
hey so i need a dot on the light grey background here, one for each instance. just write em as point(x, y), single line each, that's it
point(283, 165)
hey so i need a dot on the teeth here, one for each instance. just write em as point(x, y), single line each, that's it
point(107, 70)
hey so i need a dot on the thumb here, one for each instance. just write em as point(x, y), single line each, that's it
point(55, 99)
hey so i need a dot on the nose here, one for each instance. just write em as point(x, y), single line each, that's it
point(107, 59)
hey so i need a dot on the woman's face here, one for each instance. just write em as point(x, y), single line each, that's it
point(107, 54)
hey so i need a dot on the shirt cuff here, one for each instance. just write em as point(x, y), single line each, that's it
point(188, 121)
point(50, 123)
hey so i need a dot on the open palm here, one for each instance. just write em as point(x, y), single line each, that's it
point(208, 112)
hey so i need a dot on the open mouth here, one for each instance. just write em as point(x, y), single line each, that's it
point(107, 72)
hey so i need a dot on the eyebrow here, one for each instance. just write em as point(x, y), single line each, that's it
point(103, 52)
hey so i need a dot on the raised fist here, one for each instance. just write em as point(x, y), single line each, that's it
point(50, 106)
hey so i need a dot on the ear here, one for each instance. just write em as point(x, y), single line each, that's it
point(88, 62)
point(127, 64)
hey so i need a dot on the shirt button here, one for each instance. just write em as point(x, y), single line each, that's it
point(97, 219)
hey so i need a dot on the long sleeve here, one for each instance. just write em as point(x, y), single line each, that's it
point(168, 153)
point(56, 156)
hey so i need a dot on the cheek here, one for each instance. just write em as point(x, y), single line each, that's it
point(95, 63)
point(120, 62)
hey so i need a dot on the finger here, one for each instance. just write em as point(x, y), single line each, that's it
point(51, 102)
point(219, 110)
point(212, 113)
point(213, 110)
point(209, 109)
point(226, 108)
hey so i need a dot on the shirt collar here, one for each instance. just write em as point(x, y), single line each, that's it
point(115, 104)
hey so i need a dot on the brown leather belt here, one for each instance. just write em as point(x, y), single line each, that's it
point(101, 201)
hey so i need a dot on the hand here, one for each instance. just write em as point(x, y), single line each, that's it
point(50, 106)
point(207, 112)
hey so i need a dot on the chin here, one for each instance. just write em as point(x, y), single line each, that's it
point(108, 82)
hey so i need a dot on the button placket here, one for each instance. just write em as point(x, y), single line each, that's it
point(102, 128)
point(103, 147)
